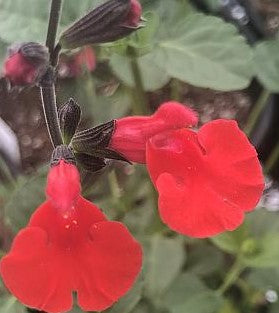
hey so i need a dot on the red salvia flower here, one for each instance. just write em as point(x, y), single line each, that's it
point(74, 65)
point(25, 64)
point(206, 180)
point(68, 246)
point(131, 133)
point(19, 70)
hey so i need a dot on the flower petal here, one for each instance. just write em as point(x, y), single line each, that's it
point(117, 260)
point(132, 133)
point(57, 255)
point(37, 274)
point(206, 180)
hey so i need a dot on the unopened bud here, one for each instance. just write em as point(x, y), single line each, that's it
point(26, 63)
point(113, 20)
point(250, 247)
point(69, 117)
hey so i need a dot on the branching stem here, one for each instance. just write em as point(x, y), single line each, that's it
point(48, 94)
point(232, 276)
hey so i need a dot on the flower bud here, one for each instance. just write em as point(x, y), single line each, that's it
point(69, 118)
point(110, 21)
point(74, 65)
point(132, 133)
point(26, 63)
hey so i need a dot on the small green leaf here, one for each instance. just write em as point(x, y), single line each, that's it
point(264, 278)
point(206, 52)
point(24, 198)
point(128, 302)
point(231, 242)
point(204, 259)
point(268, 254)
point(164, 260)
point(153, 76)
point(261, 222)
point(267, 64)
point(23, 20)
point(189, 294)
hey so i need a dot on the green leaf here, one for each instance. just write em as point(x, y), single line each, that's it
point(267, 64)
point(143, 39)
point(24, 198)
point(164, 259)
point(171, 13)
point(231, 242)
point(10, 304)
point(204, 259)
point(23, 20)
point(153, 76)
point(206, 52)
point(264, 279)
point(189, 294)
point(128, 302)
point(261, 222)
point(268, 254)
point(28, 20)
point(101, 107)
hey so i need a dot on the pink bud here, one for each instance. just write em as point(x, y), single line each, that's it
point(74, 65)
point(25, 64)
point(134, 15)
point(63, 186)
point(19, 70)
point(132, 133)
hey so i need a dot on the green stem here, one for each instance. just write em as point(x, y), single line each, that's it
point(119, 201)
point(231, 276)
point(48, 98)
point(48, 95)
point(54, 17)
point(175, 90)
point(272, 160)
point(256, 112)
point(140, 100)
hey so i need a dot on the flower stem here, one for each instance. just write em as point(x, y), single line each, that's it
point(54, 18)
point(231, 276)
point(48, 94)
point(141, 104)
point(48, 98)
point(175, 90)
point(256, 112)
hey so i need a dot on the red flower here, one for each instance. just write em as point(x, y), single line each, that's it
point(74, 65)
point(68, 246)
point(132, 133)
point(19, 70)
point(26, 63)
point(206, 180)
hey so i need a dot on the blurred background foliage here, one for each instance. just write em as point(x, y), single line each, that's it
point(181, 54)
